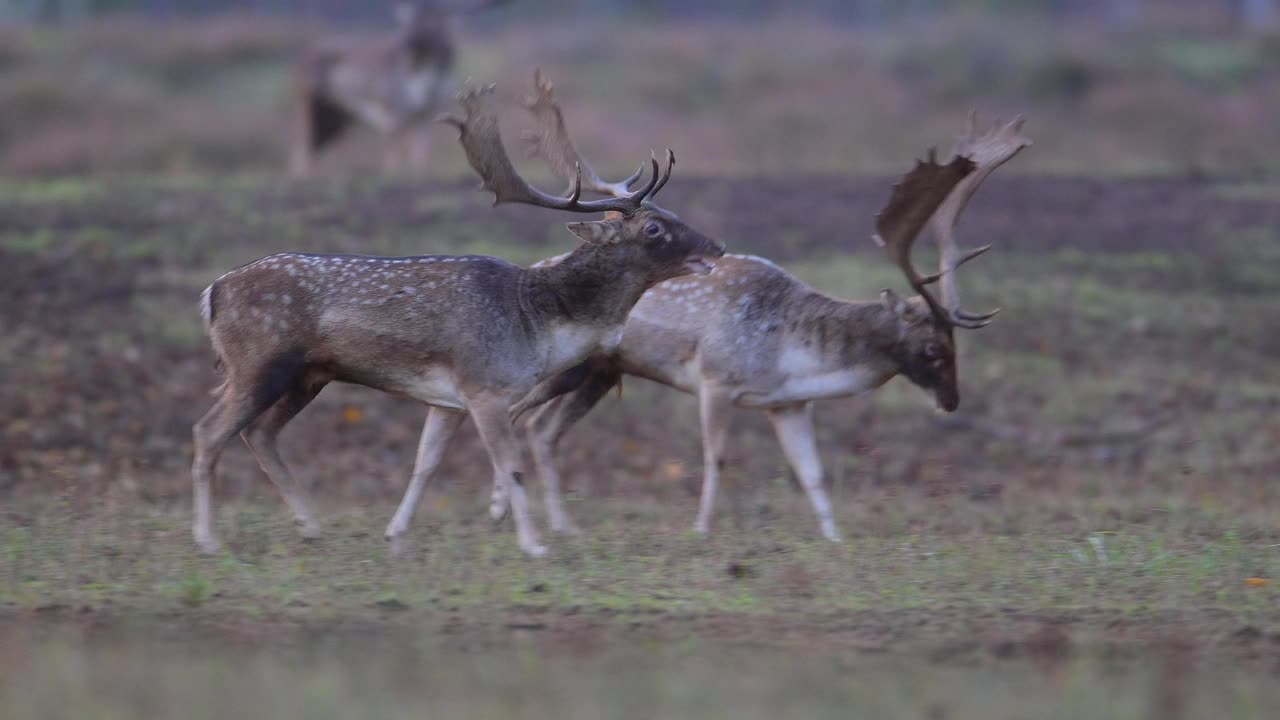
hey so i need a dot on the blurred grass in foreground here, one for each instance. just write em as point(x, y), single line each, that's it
point(410, 675)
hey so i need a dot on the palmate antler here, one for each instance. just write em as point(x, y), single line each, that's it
point(482, 142)
point(552, 143)
point(988, 151)
point(937, 194)
point(913, 202)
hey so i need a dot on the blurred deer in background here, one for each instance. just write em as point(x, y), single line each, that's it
point(395, 85)
point(465, 335)
point(751, 335)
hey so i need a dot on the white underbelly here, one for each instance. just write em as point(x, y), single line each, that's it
point(419, 87)
point(435, 388)
point(841, 383)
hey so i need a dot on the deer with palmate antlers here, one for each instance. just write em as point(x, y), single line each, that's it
point(751, 335)
point(394, 84)
point(465, 335)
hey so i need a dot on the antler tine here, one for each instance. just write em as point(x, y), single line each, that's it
point(552, 143)
point(671, 163)
point(988, 151)
point(482, 142)
point(914, 200)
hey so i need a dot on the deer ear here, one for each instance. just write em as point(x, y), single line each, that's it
point(601, 232)
point(893, 303)
point(613, 215)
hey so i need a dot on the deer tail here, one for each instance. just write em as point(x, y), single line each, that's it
point(207, 316)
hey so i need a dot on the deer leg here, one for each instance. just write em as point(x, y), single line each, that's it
point(543, 393)
point(713, 407)
point(207, 448)
point(398, 147)
point(393, 150)
point(419, 133)
point(547, 428)
point(438, 430)
point(318, 123)
point(232, 412)
point(418, 141)
point(261, 437)
point(794, 427)
point(493, 420)
point(304, 145)
point(301, 152)
point(498, 501)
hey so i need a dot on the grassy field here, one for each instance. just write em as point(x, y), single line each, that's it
point(1111, 469)
point(1095, 534)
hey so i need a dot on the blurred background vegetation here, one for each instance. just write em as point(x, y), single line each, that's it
point(1116, 87)
point(1248, 11)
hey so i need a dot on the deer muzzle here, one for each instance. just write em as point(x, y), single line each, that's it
point(947, 399)
point(699, 266)
point(698, 261)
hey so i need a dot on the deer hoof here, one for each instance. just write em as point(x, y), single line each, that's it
point(309, 529)
point(208, 546)
point(498, 510)
point(534, 549)
point(396, 545)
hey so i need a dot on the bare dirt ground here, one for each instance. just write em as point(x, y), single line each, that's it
point(1107, 488)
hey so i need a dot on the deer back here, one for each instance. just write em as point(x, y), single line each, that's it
point(378, 321)
point(748, 324)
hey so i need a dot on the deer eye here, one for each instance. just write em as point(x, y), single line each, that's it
point(653, 229)
point(933, 351)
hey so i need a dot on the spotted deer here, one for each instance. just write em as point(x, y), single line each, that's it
point(394, 84)
point(751, 335)
point(469, 335)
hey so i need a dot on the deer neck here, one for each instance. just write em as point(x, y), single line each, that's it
point(830, 349)
point(433, 46)
point(860, 336)
point(873, 333)
point(585, 288)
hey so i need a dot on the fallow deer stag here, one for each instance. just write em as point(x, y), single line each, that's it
point(752, 335)
point(394, 85)
point(465, 335)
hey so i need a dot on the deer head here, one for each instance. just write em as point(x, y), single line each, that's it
point(410, 13)
point(926, 349)
point(427, 26)
point(635, 232)
point(423, 21)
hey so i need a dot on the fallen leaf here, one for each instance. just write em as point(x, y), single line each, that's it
point(674, 470)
